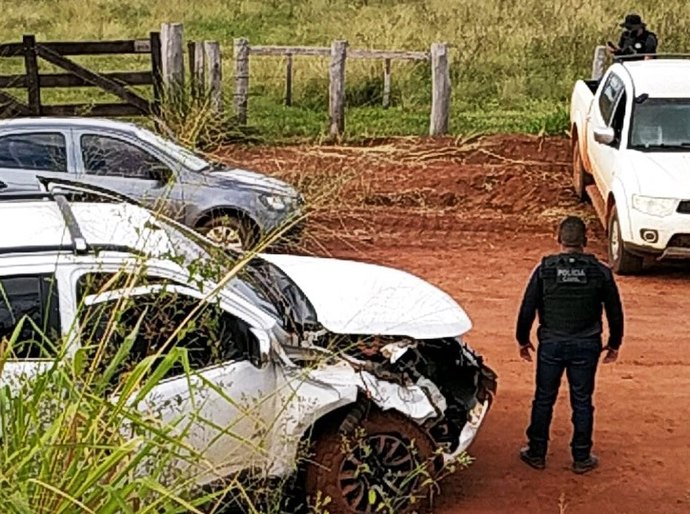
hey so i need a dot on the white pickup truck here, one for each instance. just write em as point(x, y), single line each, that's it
point(631, 156)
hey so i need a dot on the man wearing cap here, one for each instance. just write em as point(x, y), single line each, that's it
point(635, 39)
point(568, 290)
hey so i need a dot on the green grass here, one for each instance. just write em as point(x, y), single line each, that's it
point(513, 63)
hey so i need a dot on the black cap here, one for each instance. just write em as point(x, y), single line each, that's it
point(632, 22)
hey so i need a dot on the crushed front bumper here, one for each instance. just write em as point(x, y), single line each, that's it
point(469, 432)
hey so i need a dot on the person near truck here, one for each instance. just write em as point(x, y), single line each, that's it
point(568, 291)
point(635, 40)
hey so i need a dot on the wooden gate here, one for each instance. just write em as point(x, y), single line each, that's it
point(76, 75)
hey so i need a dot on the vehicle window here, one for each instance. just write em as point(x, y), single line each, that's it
point(185, 157)
point(111, 157)
point(610, 92)
point(661, 124)
point(619, 119)
point(31, 300)
point(36, 152)
point(102, 281)
point(211, 336)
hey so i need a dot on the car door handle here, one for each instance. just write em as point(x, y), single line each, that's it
point(3, 185)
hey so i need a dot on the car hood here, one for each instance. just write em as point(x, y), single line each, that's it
point(365, 299)
point(250, 180)
point(662, 174)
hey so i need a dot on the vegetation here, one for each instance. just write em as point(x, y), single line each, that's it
point(513, 62)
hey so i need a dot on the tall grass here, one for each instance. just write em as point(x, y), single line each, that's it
point(513, 62)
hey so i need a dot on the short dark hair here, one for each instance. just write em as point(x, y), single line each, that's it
point(572, 232)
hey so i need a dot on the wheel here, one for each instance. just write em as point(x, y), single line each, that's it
point(622, 261)
point(230, 232)
point(378, 468)
point(581, 178)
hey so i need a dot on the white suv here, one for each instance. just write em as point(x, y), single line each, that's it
point(305, 347)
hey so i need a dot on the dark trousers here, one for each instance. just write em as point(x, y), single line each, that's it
point(579, 360)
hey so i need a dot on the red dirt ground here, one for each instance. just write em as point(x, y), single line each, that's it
point(474, 217)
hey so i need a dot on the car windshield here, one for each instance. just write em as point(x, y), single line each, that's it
point(661, 124)
point(185, 157)
point(192, 248)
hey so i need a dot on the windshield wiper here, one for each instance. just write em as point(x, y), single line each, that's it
point(664, 146)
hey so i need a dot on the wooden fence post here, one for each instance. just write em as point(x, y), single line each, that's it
point(172, 35)
point(288, 79)
point(336, 90)
point(32, 80)
point(441, 89)
point(214, 76)
point(197, 69)
point(156, 71)
point(241, 54)
point(598, 62)
point(386, 83)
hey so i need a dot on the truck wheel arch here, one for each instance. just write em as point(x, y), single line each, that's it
point(618, 198)
point(575, 139)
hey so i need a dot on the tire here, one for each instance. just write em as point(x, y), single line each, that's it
point(232, 232)
point(622, 261)
point(337, 468)
point(581, 177)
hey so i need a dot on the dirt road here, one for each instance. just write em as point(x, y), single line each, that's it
point(474, 217)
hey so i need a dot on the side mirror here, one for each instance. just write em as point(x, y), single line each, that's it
point(3, 185)
point(163, 175)
point(604, 135)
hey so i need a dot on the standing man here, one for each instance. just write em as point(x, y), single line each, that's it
point(568, 291)
point(635, 39)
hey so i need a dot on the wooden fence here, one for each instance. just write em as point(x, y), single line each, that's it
point(76, 75)
point(165, 75)
point(338, 53)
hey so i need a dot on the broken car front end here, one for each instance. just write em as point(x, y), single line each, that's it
point(440, 384)
point(452, 376)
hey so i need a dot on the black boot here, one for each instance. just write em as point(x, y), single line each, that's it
point(585, 466)
point(531, 459)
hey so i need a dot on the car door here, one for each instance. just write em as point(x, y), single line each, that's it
point(225, 406)
point(602, 116)
point(23, 155)
point(30, 324)
point(116, 162)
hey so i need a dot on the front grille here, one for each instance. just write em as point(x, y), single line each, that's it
point(684, 207)
point(680, 241)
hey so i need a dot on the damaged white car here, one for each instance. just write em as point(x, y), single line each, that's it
point(307, 349)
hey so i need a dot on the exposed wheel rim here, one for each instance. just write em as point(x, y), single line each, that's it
point(228, 237)
point(614, 240)
point(383, 463)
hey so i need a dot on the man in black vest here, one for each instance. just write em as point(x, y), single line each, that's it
point(635, 39)
point(568, 291)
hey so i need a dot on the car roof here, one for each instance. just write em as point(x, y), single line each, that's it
point(68, 122)
point(41, 224)
point(660, 78)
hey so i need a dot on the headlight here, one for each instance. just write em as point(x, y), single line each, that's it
point(654, 206)
point(276, 202)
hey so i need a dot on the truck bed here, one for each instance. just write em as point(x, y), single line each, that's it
point(581, 100)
